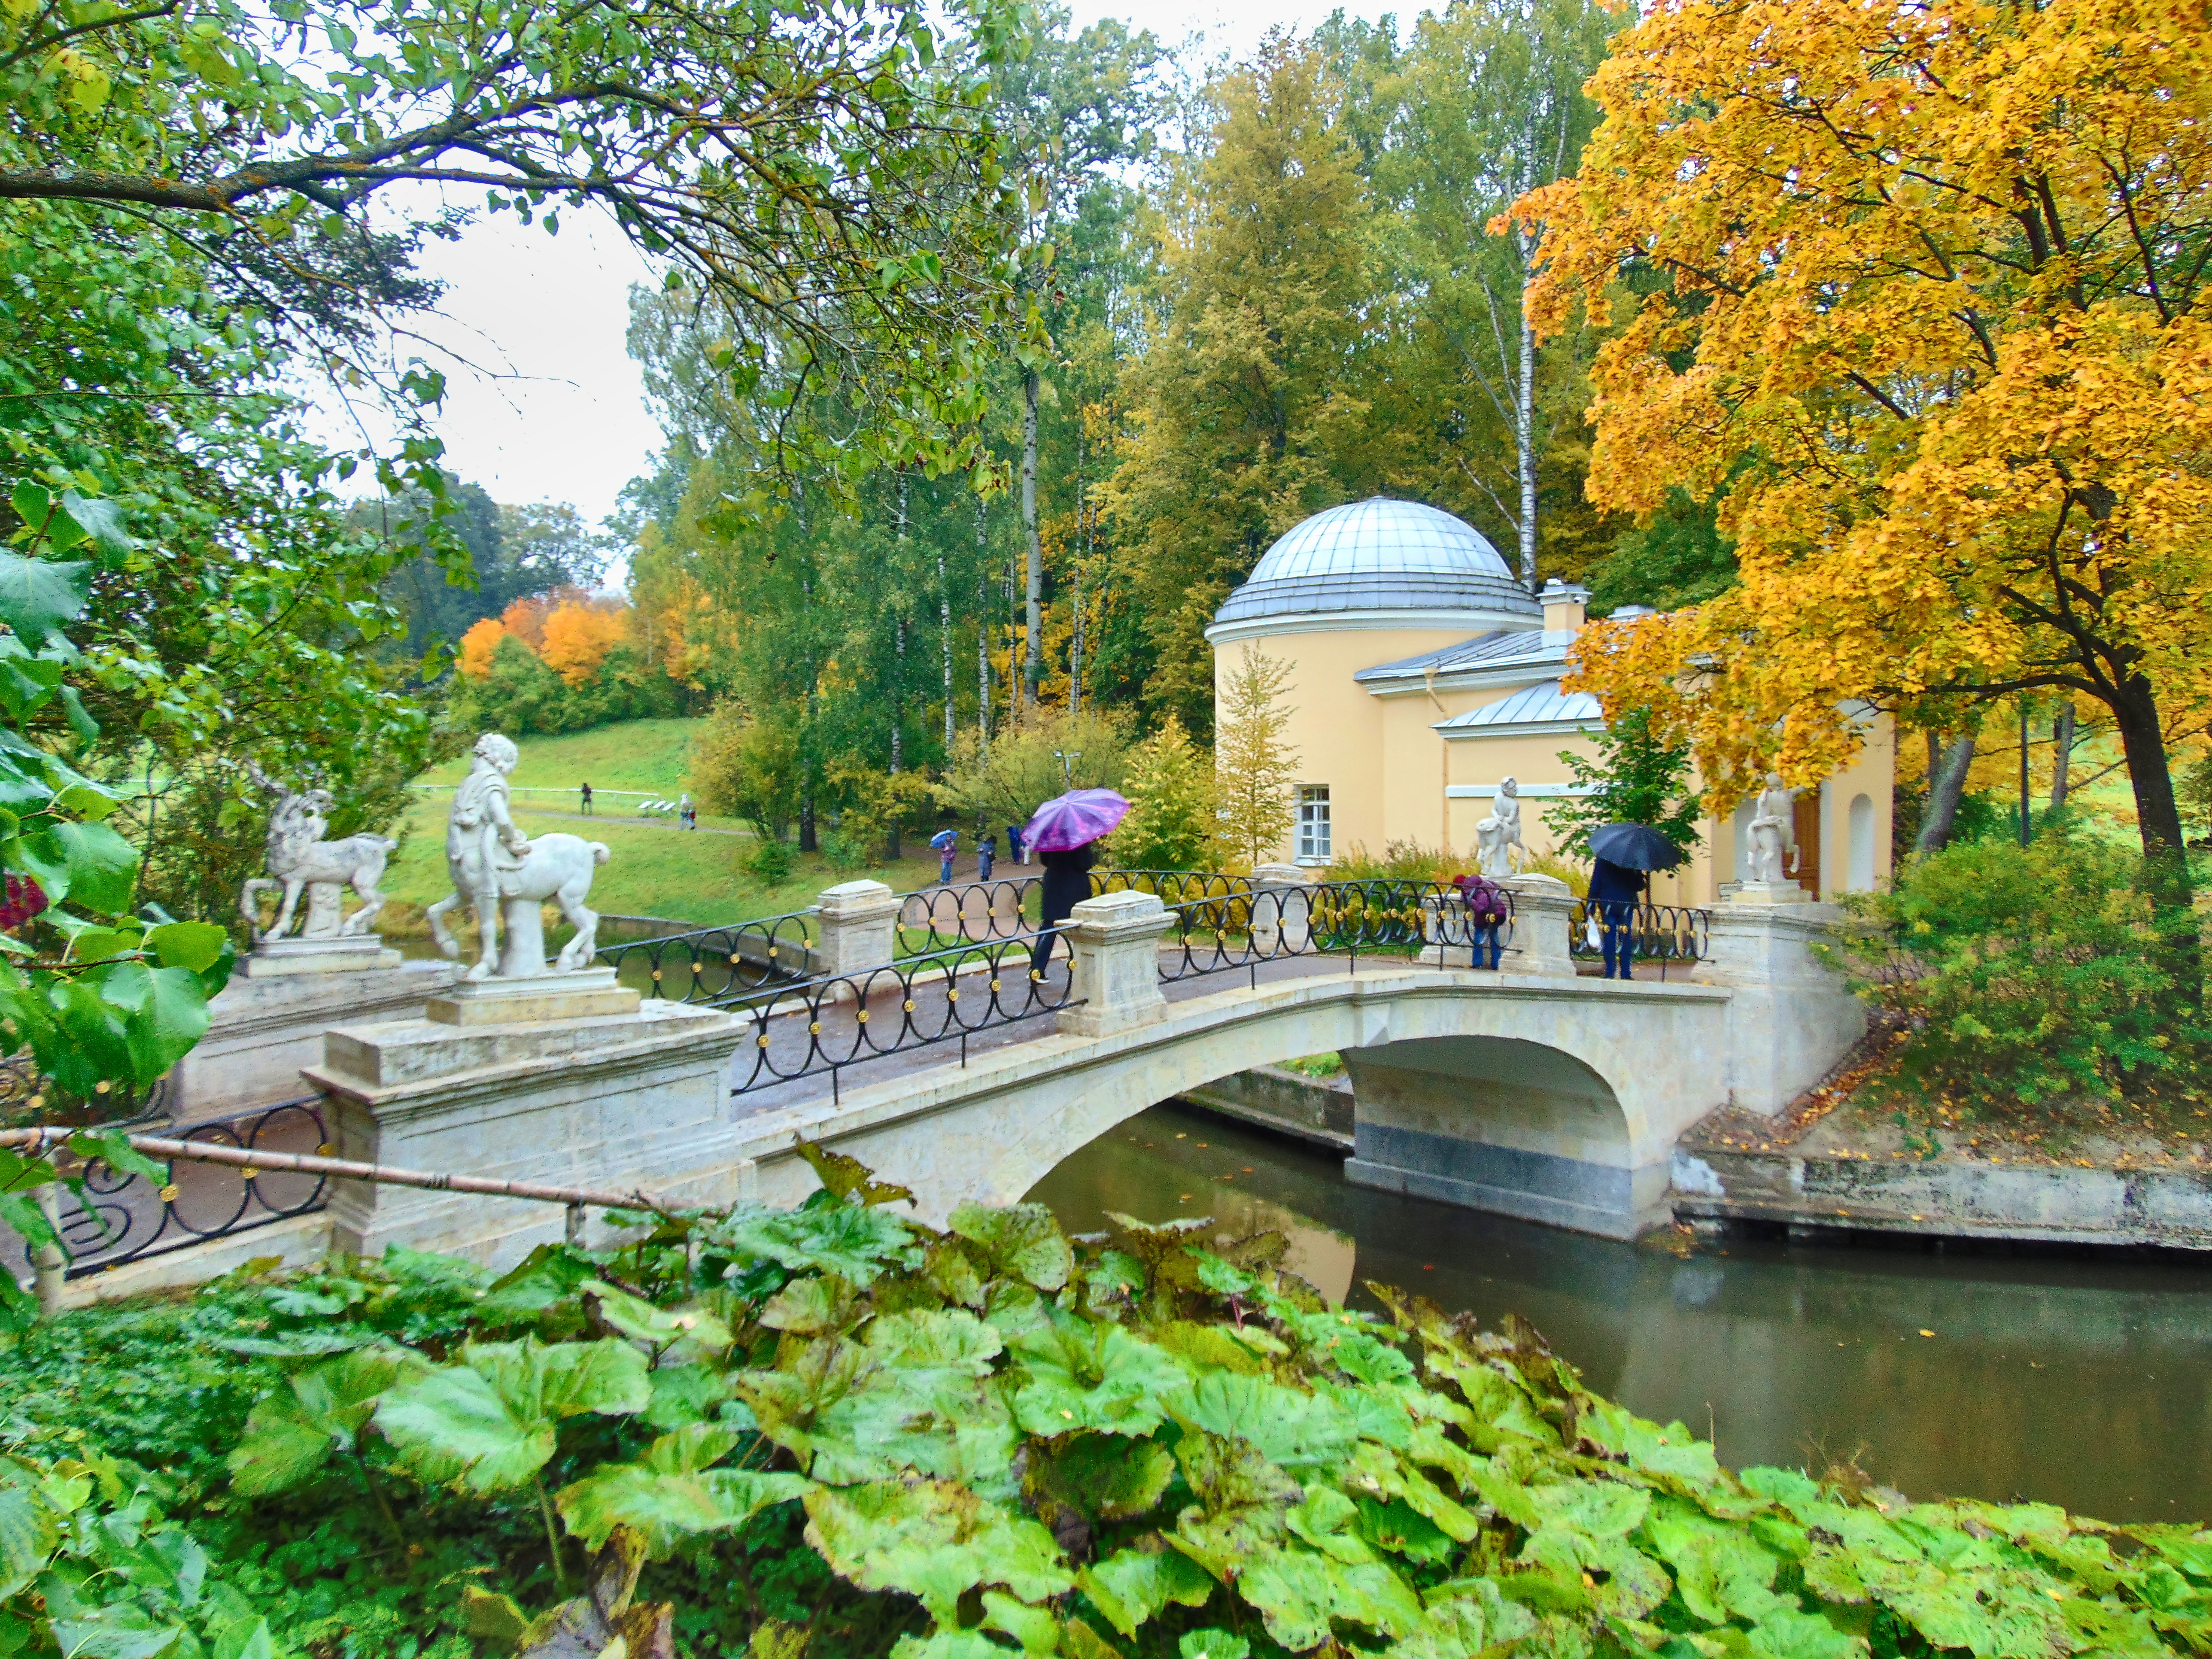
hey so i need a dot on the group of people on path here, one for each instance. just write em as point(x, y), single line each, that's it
point(946, 844)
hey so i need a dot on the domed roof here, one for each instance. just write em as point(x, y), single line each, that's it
point(1382, 557)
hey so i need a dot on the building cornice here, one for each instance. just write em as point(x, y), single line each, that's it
point(1528, 791)
point(1514, 671)
point(1520, 729)
point(1344, 622)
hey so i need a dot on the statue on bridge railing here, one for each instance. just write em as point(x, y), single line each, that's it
point(1497, 835)
point(1772, 832)
point(506, 875)
point(299, 860)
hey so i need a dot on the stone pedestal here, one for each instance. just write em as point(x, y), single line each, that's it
point(586, 994)
point(1543, 905)
point(1115, 945)
point(611, 1102)
point(269, 1021)
point(859, 928)
point(1792, 1015)
point(1769, 892)
point(1282, 914)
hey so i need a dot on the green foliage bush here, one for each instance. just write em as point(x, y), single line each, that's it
point(1635, 779)
point(835, 1430)
point(771, 862)
point(2028, 974)
point(521, 697)
point(1174, 806)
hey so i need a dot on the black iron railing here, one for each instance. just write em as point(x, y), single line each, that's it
point(967, 913)
point(841, 1020)
point(121, 1218)
point(718, 965)
point(1232, 931)
point(1668, 934)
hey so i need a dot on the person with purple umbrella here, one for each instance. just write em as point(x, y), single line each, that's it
point(1065, 834)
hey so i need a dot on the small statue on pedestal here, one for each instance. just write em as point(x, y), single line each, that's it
point(299, 858)
point(1498, 835)
point(506, 875)
point(1772, 832)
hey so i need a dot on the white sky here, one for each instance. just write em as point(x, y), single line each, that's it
point(554, 410)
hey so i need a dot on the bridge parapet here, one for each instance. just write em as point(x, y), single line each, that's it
point(1115, 941)
point(1792, 1017)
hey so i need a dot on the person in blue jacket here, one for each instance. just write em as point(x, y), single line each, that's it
point(985, 852)
point(1615, 890)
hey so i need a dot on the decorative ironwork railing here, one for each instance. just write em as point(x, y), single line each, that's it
point(718, 965)
point(835, 1021)
point(123, 1217)
point(1221, 932)
point(1666, 933)
point(937, 918)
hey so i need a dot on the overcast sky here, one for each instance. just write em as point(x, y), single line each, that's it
point(556, 413)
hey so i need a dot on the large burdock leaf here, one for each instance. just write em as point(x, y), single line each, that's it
point(1472, 1618)
point(661, 1329)
point(933, 1540)
point(1130, 1586)
point(1082, 1375)
point(1291, 1429)
point(1105, 1477)
point(1299, 1593)
point(837, 1238)
point(489, 1421)
point(672, 1493)
point(1719, 1569)
point(1242, 1503)
point(1024, 1240)
point(293, 1432)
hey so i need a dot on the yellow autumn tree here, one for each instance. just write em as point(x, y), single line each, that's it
point(478, 645)
point(1921, 291)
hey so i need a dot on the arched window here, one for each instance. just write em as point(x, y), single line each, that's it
point(1860, 866)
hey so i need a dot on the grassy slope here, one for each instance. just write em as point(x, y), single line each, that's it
point(656, 870)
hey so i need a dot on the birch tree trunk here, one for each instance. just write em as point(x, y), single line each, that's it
point(1033, 611)
point(982, 637)
point(1524, 417)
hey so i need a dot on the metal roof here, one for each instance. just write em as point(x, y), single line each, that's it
point(1379, 554)
point(1493, 650)
point(1540, 705)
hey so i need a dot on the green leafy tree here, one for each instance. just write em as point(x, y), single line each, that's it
point(1173, 803)
point(1046, 754)
point(1635, 779)
point(751, 767)
point(1255, 767)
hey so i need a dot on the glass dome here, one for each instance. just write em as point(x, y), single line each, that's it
point(1379, 559)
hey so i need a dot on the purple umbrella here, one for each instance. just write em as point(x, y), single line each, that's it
point(1074, 819)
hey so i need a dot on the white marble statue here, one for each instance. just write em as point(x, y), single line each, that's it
point(1773, 831)
point(1497, 836)
point(506, 875)
point(299, 858)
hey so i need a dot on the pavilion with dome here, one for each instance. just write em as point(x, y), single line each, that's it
point(1422, 673)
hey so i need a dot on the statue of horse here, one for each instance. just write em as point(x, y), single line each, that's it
point(558, 868)
point(299, 859)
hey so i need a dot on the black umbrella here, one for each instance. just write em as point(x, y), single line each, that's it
point(1635, 847)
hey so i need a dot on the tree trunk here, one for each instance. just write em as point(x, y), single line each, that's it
point(1524, 418)
point(2158, 815)
point(1033, 613)
point(1082, 553)
point(2062, 741)
point(983, 638)
point(1942, 809)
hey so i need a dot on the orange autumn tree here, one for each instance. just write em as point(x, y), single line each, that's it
point(478, 645)
point(578, 634)
point(1921, 290)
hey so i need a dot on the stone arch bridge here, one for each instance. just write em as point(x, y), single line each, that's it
point(1528, 1091)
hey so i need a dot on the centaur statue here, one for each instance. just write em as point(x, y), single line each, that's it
point(506, 875)
point(299, 858)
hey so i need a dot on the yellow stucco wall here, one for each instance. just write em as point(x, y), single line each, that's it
point(1349, 739)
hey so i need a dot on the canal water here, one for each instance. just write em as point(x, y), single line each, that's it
point(2068, 1379)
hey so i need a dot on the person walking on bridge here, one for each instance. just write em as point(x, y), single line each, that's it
point(1065, 832)
point(1614, 892)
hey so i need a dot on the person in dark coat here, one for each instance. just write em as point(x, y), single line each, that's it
point(587, 792)
point(986, 851)
point(1066, 884)
point(1615, 890)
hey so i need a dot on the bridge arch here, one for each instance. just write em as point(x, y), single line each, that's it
point(1532, 1069)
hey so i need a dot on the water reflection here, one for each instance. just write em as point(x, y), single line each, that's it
point(2068, 1381)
